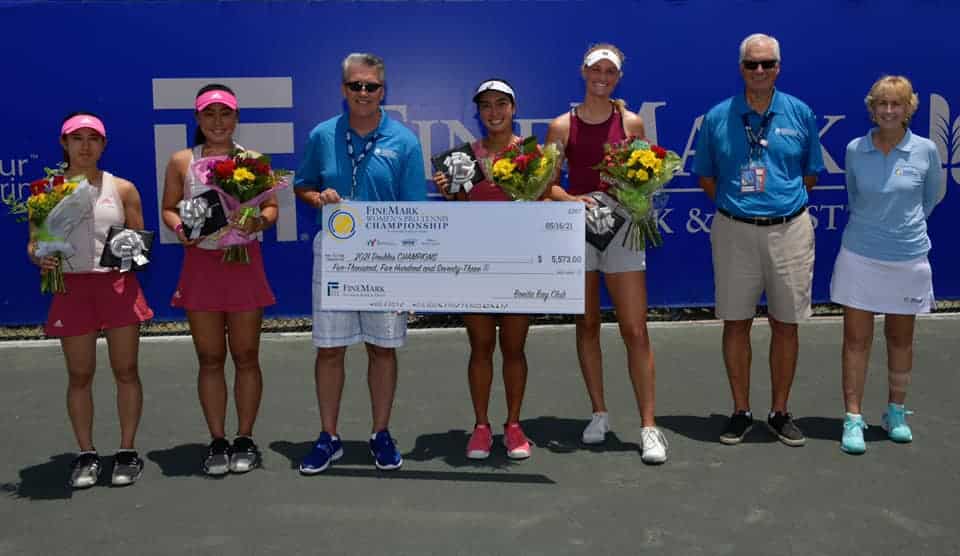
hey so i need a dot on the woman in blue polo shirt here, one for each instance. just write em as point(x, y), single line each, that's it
point(894, 180)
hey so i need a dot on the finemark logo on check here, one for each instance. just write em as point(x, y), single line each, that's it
point(333, 288)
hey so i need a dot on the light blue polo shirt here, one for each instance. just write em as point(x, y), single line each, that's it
point(793, 152)
point(391, 171)
point(890, 197)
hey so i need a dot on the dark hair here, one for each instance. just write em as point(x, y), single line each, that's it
point(513, 101)
point(198, 137)
point(66, 156)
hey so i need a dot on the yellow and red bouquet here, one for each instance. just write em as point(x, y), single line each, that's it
point(637, 171)
point(524, 170)
point(243, 179)
point(55, 206)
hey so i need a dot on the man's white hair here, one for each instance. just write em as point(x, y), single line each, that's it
point(759, 37)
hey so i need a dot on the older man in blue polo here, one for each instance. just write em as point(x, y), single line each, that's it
point(758, 156)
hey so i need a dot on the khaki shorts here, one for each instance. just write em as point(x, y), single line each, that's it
point(749, 260)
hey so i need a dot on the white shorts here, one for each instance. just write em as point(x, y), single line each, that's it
point(344, 328)
point(617, 257)
point(887, 287)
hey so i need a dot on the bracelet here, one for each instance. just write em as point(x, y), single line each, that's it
point(178, 228)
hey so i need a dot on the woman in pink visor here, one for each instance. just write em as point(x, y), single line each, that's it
point(583, 130)
point(97, 298)
point(224, 301)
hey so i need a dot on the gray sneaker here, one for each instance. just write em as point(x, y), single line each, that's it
point(127, 468)
point(85, 470)
point(217, 461)
point(244, 456)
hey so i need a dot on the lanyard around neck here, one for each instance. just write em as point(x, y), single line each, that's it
point(356, 158)
point(757, 139)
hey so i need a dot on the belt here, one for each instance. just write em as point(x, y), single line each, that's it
point(763, 220)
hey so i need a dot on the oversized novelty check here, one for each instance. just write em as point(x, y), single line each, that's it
point(447, 257)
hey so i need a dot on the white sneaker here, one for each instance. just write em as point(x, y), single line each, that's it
point(596, 431)
point(653, 445)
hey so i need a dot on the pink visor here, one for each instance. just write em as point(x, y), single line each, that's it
point(81, 121)
point(213, 97)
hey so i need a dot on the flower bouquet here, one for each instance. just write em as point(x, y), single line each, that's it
point(524, 170)
point(637, 172)
point(243, 179)
point(55, 206)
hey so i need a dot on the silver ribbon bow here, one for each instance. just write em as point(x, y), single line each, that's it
point(461, 169)
point(128, 246)
point(600, 219)
point(194, 213)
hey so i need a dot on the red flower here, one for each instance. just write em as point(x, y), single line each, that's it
point(58, 180)
point(224, 169)
point(659, 151)
point(37, 187)
point(522, 161)
point(262, 168)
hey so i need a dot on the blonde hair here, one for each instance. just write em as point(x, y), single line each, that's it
point(619, 103)
point(606, 46)
point(900, 87)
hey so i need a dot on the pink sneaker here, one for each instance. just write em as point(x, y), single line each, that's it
point(480, 442)
point(518, 447)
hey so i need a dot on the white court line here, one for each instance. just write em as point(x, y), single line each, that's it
point(305, 336)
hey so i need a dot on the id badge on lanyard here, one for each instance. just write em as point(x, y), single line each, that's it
point(753, 174)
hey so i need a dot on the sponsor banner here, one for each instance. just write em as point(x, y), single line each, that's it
point(144, 91)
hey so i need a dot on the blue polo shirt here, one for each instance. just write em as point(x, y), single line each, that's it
point(793, 152)
point(890, 197)
point(391, 171)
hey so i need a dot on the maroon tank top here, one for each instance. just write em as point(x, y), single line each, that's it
point(585, 150)
point(486, 190)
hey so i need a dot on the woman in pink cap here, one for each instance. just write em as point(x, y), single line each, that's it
point(224, 301)
point(583, 131)
point(97, 298)
point(496, 105)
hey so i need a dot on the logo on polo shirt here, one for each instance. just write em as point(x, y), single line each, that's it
point(945, 134)
point(386, 153)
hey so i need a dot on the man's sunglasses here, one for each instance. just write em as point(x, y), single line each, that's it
point(357, 86)
point(767, 64)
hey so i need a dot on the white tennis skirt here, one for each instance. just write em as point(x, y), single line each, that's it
point(888, 287)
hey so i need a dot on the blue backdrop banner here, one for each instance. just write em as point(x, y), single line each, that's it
point(139, 64)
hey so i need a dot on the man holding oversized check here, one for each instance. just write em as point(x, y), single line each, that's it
point(362, 155)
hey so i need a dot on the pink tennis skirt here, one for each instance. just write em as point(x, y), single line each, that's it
point(209, 284)
point(96, 301)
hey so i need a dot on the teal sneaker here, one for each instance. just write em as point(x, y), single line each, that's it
point(895, 423)
point(853, 427)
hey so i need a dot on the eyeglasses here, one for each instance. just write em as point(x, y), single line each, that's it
point(767, 64)
point(357, 86)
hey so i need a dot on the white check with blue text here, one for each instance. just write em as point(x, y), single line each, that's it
point(449, 257)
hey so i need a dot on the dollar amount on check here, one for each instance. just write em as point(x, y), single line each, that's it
point(447, 257)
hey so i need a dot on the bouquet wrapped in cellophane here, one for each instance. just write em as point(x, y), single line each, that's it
point(524, 170)
point(55, 206)
point(637, 172)
point(243, 179)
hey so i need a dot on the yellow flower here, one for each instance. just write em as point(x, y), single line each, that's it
point(631, 173)
point(503, 168)
point(657, 164)
point(642, 175)
point(242, 174)
point(647, 158)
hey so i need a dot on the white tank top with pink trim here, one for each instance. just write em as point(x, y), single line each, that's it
point(90, 235)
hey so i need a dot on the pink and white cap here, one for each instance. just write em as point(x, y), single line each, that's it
point(602, 54)
point(81, 121)
point(215, 96)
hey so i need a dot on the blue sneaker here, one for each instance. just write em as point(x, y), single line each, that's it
point(384, 451)
point(895, 423)
point(853, 427)
point(327, 449)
